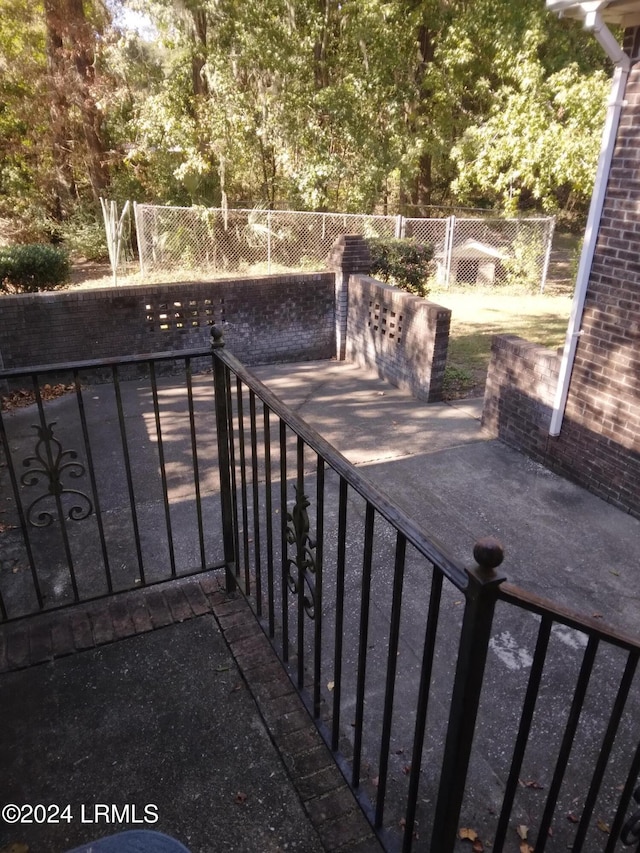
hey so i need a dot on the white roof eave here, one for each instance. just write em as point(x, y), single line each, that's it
point(623, 13)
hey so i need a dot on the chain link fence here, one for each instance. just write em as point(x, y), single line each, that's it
point(186, 241)
point(495, 251)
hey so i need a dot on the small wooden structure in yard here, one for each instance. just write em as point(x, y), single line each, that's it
point(472, 262)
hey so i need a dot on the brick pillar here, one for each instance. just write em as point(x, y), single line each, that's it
point(349, 254)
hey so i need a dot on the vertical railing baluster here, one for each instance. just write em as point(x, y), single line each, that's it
point(567, 742)
point(428, 651)
point(221, 388)
point(623, 803)
point(317, 605)
point(339, 626)
point(300, 566)
point(92, 479)
point(390, 684)
point(481, 594)
point(363, 640)
point(127, 468)
point(243, 487)
point(605, 749)
point(58, 501)
point(256, 501)
point(3, 608)
point(234, 475)
point(21, 516)
point(269, 519)
point(195, 463)
point(522, 738)
point(284, 574)
point(163, 470)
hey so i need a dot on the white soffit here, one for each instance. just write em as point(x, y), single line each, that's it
point(623, 13)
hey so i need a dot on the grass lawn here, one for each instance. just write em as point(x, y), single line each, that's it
point(477, 316)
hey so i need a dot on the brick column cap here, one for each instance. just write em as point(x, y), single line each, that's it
point(350, 254)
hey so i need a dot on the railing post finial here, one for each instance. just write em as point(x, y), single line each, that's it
point(217, 336)
point(488, 553)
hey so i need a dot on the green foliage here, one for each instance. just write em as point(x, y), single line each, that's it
point(524, 263)
point(457, 382)
point(539, 142)
point(359, 105)
point(401, 262)
point(574, 260)
point(33, 267)
point(83, 235)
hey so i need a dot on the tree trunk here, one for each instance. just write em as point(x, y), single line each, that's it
point(70, 47)
point(422, 184)
point(199, 57)
point(63, 187)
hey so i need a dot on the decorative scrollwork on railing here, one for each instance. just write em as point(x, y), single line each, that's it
point(630, 833)
point(304, 560)
point(47, 466)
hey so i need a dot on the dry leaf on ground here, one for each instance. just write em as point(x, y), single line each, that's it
point(467, 834)
point(25, 397)
point(531, 783)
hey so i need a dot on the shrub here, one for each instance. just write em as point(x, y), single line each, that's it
point(83, 235)
point(404, 263)
point(33, 267)
point(524, 267)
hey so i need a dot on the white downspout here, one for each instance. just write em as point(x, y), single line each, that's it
point(593, 21)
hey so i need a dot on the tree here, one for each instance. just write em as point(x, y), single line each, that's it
point(72, 82)
point(539, 144)
point(468, 54)
point(355, 105)
point(23, 110)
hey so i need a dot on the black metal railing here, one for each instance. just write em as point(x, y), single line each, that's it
point(456, 705)
point(392, 643)
point(110, 486)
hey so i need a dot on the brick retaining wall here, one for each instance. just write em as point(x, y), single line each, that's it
point(404, 337)
point(272, 319)
point(518, 402)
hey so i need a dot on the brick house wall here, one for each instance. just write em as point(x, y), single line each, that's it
point(599, 443)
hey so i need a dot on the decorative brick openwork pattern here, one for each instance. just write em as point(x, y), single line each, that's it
point(386, 321)
point(182, 314)
point(270, 319)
